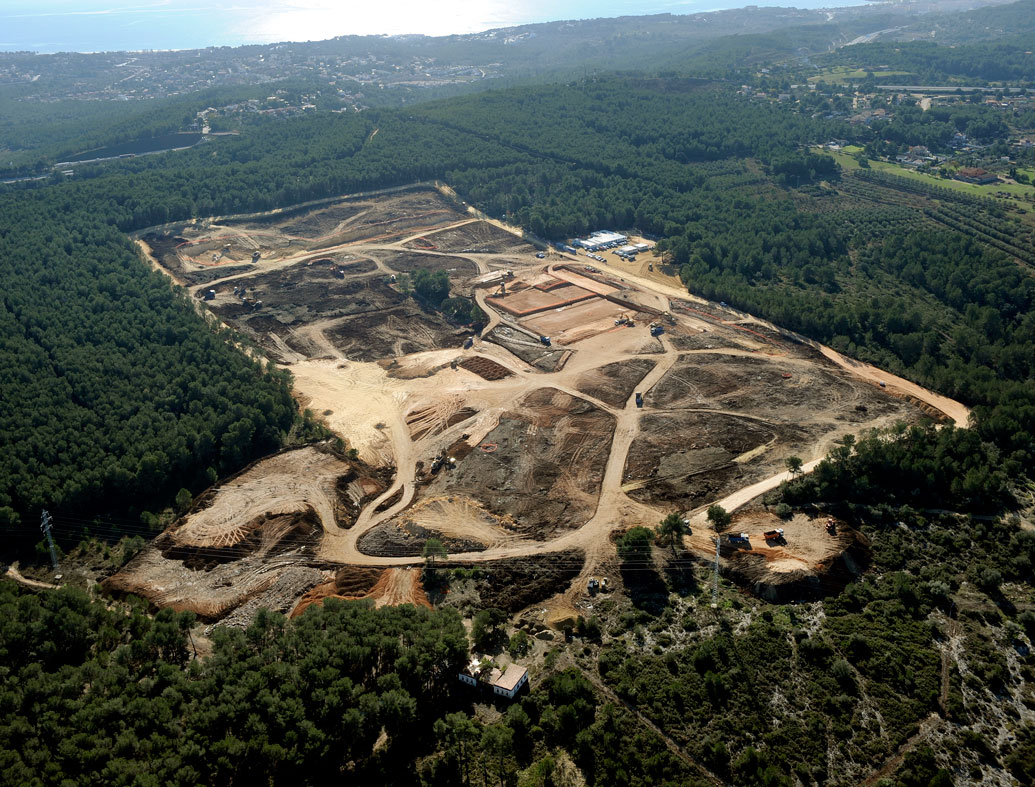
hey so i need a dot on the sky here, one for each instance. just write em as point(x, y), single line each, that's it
point(105, 25)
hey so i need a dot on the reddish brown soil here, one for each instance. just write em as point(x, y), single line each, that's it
point(486, 368)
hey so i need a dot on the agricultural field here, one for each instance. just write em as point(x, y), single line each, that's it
point(846, 160)
point(585, 401)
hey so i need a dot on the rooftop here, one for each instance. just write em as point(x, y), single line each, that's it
point(510, 678)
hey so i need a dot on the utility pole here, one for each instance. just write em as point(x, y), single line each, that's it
point(45, 525)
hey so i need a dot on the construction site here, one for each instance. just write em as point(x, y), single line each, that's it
point(588, 399)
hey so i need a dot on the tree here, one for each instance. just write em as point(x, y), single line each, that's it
point(635, 546)
point(519, 644)
point(489, 629)
point(434, 550)
point(183, 500)
point(794, 465)
point(431, 288)
point(497, 742)
point(719, 517)
point(459, 732)
point(672, 529)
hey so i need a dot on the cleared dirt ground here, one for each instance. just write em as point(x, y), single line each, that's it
point(809, 560)
point(500, 445)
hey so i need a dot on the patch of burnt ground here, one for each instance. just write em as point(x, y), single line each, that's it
point(476, 237)
point(546, 471)
point(528, 349)
point(408, 262)
point(404, 538)
point(683, 459)
point(517, 583)
point(388, 334)
point(614, 383)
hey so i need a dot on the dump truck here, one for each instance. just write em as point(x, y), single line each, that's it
point(468, 343)
point(656, 329)
point(639, 399)
point(593, 586)
point(738, 538)
point(831, 527)
point(774, 535)
point(545, 340)
point(256, 255)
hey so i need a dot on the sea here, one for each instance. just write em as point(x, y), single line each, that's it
point(48, 26)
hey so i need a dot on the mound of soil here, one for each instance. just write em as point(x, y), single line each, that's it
point(380, 335)
point(425, 422)
point(530, 350)
point(281, 596)
point(546, 472)
point(683, 459)
point(264, 537)
point(322, 221)
point(400, 537)
point(476, 237)
point(349, 582)
point(614, 383)
point(408, 262)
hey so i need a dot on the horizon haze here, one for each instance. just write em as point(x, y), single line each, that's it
point(52, 26)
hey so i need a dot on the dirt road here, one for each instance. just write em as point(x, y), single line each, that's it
point(13, 573)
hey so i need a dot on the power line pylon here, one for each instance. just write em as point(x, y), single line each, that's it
point(45, 526)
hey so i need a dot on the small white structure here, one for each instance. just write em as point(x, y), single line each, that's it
point(600, 240)
point(510, 683)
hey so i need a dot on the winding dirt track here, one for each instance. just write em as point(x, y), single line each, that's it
point(371, 407)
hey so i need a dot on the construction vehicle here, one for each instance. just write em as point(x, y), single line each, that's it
point(441, 461)
point(256, 255)
point(774, 535)
point(501, 291)
point(831, 527)
point(639, 399)
point(541, 255)
point(624, 320)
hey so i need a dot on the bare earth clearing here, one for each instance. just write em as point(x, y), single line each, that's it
point(510, 449)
